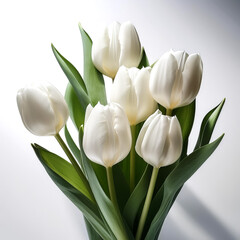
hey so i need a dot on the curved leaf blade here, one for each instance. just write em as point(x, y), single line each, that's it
point(208, 125)
point(87, 207)
point(74, 78)
point(137, 197)
point(92, 77)
point(182, 172)
point(63, 168)
point(185, 117)
point(76, 110)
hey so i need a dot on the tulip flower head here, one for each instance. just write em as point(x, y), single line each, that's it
point(159, 142)
point(176, 78)
point(107, 136)
point(131, 90)
point(118, 45)
point(43, 109)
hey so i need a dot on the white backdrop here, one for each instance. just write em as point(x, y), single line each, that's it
point(31, 206)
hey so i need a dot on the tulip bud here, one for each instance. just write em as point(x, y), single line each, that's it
point(159, 142)
point(107, 136)
point(131, 90)
point(175, 79)
point(118, 45)
point(43, 109)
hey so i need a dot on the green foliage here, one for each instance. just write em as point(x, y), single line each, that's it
point(65, 180)
point(92, 77)
point(102, 219)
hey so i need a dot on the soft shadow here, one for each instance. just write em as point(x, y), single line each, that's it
point(172, 231)
point(203, 216)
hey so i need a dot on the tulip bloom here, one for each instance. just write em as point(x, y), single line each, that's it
point(107, 136)
point(43, 109)
point(176, 78)
point(159, 142)
point(118, 45)
point(131, 90)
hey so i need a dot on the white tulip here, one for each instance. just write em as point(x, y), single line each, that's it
point(176, 78)
point(118, 45)
point(159, 142)
point(131, 90)
point(107, 137)
point(43, 109)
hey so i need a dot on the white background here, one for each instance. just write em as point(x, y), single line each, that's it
point(31, 206)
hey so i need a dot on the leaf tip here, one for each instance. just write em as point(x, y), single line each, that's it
point(80, 25)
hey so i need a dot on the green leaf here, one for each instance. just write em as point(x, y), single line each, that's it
point(185, 117)
point(74, 78)
point(140, 164)
point(138, 195)
point(99, 170)
point(92, 234)
point(144, 61)
point(208, 125)
point(87, 207)
point(111, 215)
point(72, 145)
point(76, 110)
point(92, 77)
point(63, 168)
point(181, 173)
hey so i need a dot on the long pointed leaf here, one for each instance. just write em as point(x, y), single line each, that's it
point(208, 125)
point(76, 110)
point(74, 78)
point(87, 207)
point(63, 168)
point(92, 234)
point(92, 77)
point(134, 202)
point(182, 172)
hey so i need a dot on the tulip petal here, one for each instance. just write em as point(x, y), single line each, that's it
point(142, 133)
point(123, 133)
point(36, 111)
point(131, 52)
point(174, 148)
point(162, 79)
point(107, 136)
point(153, 145)
point(146, 105)
point(192, 76)
point(59, 106)
point(123, 92)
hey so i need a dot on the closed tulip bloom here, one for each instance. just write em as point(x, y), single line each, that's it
point(43, 109)
point(176, 78)
point(107, 136)
point(159, 142)
point(118, 45)
point(131, 90)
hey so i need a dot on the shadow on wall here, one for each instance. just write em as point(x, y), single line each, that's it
point(200, 215)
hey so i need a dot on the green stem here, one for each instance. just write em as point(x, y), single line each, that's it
point(111, 188)
point(74, 163)
point(147, 203)
point(132, 159)
point(169, 112)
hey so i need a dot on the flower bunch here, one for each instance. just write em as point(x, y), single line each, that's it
point(132, 157)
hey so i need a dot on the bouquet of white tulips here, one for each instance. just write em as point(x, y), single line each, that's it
point(131, 159)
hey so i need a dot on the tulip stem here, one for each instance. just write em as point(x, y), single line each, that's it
point(147, 203)
point(111, 188)
point(132, 159)
point(74, 163)
point(169, 112)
